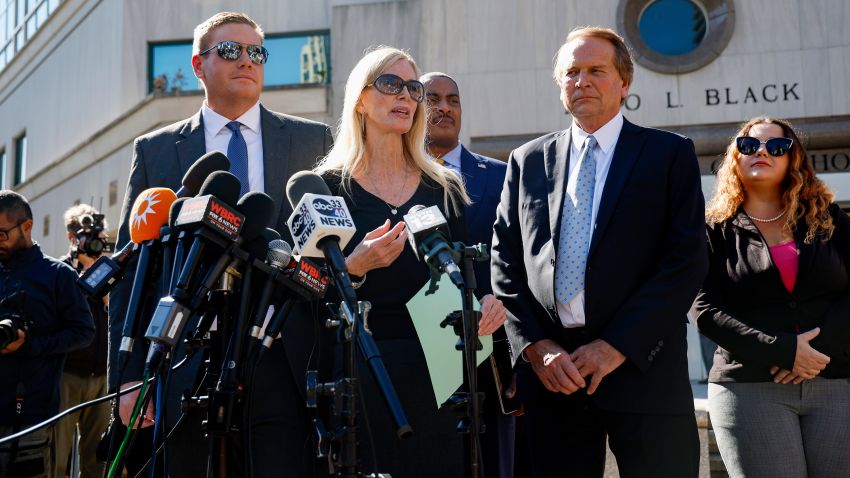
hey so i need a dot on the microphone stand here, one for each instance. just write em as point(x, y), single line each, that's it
point(467, 404)
point(222, 403)
point(340, 444)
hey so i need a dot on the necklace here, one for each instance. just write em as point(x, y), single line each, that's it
point(772, 219)
point(393, 209)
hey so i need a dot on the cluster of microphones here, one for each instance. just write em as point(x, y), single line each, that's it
point(204, 237)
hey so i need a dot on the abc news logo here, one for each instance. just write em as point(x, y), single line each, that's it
point(330, 212)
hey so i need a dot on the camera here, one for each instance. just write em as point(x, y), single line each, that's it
point(88, 237)
point(11, 320)
point(9, 325)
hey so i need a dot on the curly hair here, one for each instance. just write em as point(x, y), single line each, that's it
point(804, 195)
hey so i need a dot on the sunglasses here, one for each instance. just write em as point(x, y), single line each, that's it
point(748, 145)
point(390, 84)
point(231, 51)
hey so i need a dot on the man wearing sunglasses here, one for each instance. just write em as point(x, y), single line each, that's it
point(42, 306)
point(598, 252)
point(483, 178)
point(264, 149)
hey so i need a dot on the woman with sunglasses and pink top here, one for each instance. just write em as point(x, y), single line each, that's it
point(379, 165)
point(777, 302)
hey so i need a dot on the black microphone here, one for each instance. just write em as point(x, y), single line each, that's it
point(212, 218)
point(198, 172)
point(321, 226)
point(428, 233)
point(149, 214)
point(179, 237)
point(302, 279)
point(174, 311)
point(277, 257)
point(169, 235)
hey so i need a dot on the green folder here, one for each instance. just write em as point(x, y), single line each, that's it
point(445, 364)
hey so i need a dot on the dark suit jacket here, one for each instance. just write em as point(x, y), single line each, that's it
point(161, 158)
point(645, 264)
point(746, 309)
point(483, 177)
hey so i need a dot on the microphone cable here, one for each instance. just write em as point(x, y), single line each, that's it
point(142, 400)
point(160, 448)
point(76, 408)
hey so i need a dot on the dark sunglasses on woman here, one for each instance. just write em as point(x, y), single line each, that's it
point(774, 146)
point(231, 51)
point(390, 84)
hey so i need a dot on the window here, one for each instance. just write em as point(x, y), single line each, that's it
point(2, 169)
point(293, 60)
point(19, 20)
point(673, 27)
point(113, 192)
point(20, 159)
point(676, 36)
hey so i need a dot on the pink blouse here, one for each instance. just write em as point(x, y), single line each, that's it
point(786, 260)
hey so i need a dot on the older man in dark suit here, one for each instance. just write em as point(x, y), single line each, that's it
point(265, 148)
point(598, 253)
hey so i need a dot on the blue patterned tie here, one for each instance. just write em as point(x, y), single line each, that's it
point(237, 153)
point(576, 227)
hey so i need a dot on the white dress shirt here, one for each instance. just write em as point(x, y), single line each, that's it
point(452, 159)
point(217, 137)
point(572, 313)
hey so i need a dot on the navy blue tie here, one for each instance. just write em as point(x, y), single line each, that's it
point(237, 153)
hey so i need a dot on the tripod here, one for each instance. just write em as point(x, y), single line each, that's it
point(340, 444)
point(467, 404)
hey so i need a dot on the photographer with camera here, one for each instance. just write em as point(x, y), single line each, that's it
point(43, 316)
point(84, 377)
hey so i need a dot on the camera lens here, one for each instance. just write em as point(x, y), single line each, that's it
point(8, 332)
point(95, 246)
point(86, 221)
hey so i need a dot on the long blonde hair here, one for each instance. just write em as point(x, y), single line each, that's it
point(804, 195)
point(347, 157)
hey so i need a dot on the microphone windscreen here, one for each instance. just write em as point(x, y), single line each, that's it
point(257, 248)
point(202, 168)
point(258, 209)
point(223, 185)
point(260, 251)
point(269, 234)
point(279, 253)
point(150, 213)
point(174, 211)
point(304, 182)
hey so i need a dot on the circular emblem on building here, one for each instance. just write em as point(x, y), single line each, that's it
point(676, 36)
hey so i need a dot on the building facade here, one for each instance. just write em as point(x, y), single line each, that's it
point(80, 79)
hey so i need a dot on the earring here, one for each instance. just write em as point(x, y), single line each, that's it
point(363, 124)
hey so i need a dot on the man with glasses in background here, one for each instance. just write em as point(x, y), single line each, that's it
point(265, 148)
point(43, 316)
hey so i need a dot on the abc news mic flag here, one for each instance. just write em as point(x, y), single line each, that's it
point(316, 217)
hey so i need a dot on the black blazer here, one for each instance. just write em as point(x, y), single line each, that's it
point(645, 264)
point(746, 309)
